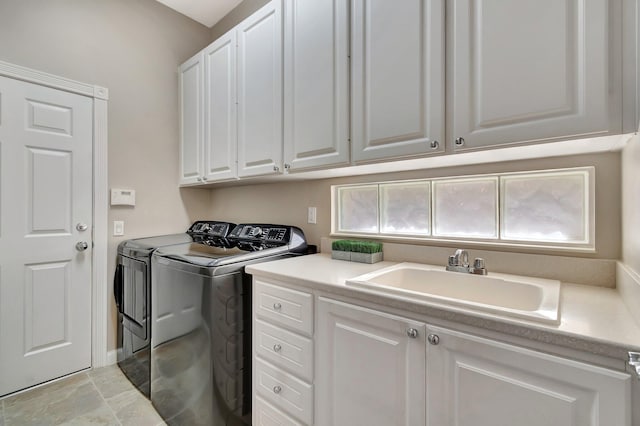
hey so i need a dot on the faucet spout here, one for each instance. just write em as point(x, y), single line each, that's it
point(461, 257)
point(459, 262)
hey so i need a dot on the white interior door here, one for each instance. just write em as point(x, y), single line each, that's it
point(46, 138)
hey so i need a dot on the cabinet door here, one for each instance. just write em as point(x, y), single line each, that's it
point(191, 113)
point(260, 92)
point(532, 71)
point(397, 78)
point(316, 94)
point(220, 109)
point(369, 371)
point(473, 381)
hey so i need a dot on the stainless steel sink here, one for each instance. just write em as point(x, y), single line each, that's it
point(529, 298)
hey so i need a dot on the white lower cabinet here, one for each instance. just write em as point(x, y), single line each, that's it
point(282, 355)
point(265, 414)
point(370, 367)
point(481, 382)
point(364, 366)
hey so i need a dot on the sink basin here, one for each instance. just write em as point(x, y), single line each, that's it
point(529, 298)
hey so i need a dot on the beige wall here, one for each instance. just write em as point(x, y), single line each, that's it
point(287, 202)
point(237, 15)
point(133, 48)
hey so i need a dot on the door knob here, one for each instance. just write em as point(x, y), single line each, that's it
point(82, 227)
point(82, 245)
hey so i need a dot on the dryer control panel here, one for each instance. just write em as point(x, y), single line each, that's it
point(211, 228)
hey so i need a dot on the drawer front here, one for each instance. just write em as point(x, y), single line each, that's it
point(284, 349)
point(265, 414)
point(283, 306)
point(284, 391)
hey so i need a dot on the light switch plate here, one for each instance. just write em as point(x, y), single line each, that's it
point(118, 228)
point(311, 215)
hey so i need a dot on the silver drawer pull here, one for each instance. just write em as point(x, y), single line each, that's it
point(277, 306)
point(434, 339)
point(277, 347)
point(277, 389)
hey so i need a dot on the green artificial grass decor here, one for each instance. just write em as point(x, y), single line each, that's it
point(356, 246)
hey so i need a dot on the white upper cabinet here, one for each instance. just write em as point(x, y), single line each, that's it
point(260, 92)
point(480, 382)
point(316, 92)
point(532, 71)
point(397, 78)
point(220, 109)
point(191, 128)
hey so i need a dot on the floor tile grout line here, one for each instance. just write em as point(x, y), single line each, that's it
point(104, 399)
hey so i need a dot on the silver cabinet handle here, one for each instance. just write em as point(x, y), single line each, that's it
point(459, 141)
point(277, 306)
point(435, 145)
point(634, 362)
point(277, 347)
point(277, 389)
point(434, 339)
point(82, 226)
point(412, 332)
point(82, 245)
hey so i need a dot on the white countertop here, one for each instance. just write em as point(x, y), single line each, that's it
point(593, 319)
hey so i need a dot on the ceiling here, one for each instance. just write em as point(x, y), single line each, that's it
point(207, 12)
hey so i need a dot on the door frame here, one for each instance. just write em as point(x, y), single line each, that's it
point(99, 282)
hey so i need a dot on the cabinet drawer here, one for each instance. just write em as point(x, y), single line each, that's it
point(265, 414)
point(290, 351)
point(290, 308)
point(284, 391)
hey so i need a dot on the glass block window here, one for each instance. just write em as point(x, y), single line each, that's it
point(466, 208)
point(404, 208)
point(358, 207)
point(550, 208)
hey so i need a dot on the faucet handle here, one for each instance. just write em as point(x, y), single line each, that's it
point(479, 267)
point(452, 260)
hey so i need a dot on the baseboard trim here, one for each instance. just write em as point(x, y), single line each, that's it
point(112, 357)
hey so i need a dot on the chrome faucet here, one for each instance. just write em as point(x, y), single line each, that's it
point(459, 262)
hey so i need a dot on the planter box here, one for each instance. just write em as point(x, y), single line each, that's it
point(340, 255)
point(366, 257)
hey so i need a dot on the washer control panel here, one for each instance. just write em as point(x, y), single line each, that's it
point(266, 233)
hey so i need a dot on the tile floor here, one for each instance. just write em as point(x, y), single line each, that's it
point(96, 397)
